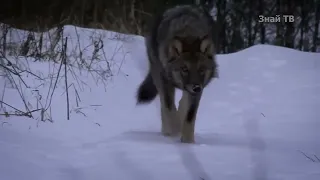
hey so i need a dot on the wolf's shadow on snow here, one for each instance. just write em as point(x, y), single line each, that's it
point(201, 139)
point(189, 159)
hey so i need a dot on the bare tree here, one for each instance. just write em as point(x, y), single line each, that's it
point(261, 25)
point(316, 26)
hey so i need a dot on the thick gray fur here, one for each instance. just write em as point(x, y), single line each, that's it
point(181, 54)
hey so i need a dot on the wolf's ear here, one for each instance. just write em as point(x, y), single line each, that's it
point(206, 47)
point(175, 48)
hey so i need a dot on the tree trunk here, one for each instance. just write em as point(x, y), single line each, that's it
point(221, 8)
point(279, 26)
point(289, 33)
point(302, 24)
point(316, 26)
point(251, 14)
point(261, 25)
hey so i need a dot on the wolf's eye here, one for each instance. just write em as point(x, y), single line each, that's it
point(201, 70)
point(171, 60)
point(184, 69)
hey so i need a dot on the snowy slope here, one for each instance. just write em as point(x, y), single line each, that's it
point(259, 120)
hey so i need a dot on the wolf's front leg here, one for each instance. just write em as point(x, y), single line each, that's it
point(188, 108)
point(171, 124)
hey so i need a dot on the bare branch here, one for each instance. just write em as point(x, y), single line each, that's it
point(65, 75)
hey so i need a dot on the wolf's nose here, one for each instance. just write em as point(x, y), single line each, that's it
point(196, 88)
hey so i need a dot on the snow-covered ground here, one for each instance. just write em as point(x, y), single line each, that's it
point(259, 120)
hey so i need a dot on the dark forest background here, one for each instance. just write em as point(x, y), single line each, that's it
point(238, 20)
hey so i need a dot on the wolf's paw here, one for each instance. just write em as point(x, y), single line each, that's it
point(170, 132)
point(189, 140)
point(171, 126)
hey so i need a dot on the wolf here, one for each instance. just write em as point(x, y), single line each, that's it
point(181, 49)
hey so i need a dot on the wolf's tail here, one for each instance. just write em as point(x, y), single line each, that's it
point(147, 90)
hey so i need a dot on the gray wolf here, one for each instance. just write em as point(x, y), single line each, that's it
point(181, 52)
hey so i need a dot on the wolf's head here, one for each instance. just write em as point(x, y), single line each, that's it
point(191, 63)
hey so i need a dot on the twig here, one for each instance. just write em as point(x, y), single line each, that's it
point(31, 74)
point(78, 38)
point(4, 89)
point(34, 110)
point(65, 76)
point(11, 107)
point(307, 156)
point(17, 74)
point(42, 114)
point(77, 95)
point(21, 113)
point(54, 86)
point(7, 114)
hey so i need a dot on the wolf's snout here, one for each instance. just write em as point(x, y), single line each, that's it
point(196, 88)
